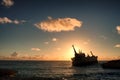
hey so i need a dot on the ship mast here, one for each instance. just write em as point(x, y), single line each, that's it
point(91, 53)
point(74, 50)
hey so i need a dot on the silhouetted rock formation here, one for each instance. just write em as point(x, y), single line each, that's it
point(113, 64)
point(81, 60)
point(7, 73)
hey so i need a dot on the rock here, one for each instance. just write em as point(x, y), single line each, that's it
point(113, 64)
point(7, 73)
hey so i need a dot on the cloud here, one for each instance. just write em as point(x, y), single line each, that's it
point(59, 24)
point(103, 37)
point(7, 3)
point(16, 22)
point(54, 39)
point(14, 54)
point(6, 20)
point(86, 42)
point(118, 29)
point(117, 46)
point(46, 42)
point(58, 49)
point(35, 49)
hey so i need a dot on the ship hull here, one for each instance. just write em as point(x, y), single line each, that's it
point(76, 63)
point(84, 61)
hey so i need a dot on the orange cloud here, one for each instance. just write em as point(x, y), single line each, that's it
point(117, 46)
point(58, 49)
point(8, 3)
point(46, 42)
point(54, 39)
point(85, 43)
point(35, 49)
point(6, 20)
point(118, 29)
point(59, 24)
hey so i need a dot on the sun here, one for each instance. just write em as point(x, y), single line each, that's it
point(70, 53)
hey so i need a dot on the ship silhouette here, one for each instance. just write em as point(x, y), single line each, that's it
point(80, 59)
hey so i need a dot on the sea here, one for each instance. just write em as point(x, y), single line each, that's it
point(59, 70)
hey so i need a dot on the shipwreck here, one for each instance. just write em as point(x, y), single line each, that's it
point(80, 59)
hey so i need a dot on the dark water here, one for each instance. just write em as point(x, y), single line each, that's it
point(60, 70)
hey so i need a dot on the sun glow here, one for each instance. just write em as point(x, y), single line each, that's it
point(67, 51)
point(70, 53)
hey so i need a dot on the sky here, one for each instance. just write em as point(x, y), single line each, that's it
point(47, 29)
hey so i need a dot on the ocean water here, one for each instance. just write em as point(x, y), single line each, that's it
point(62, 70)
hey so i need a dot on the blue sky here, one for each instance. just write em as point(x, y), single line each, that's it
point(95, 25)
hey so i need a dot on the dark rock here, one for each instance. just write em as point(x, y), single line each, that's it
point(113, 64)
point(7, 73)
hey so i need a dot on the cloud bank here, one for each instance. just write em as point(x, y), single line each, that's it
point(7, 3)
point(118, 29)
point(6, 20)
point(59, 24)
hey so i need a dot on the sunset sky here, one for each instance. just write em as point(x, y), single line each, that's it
point(47, 29)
